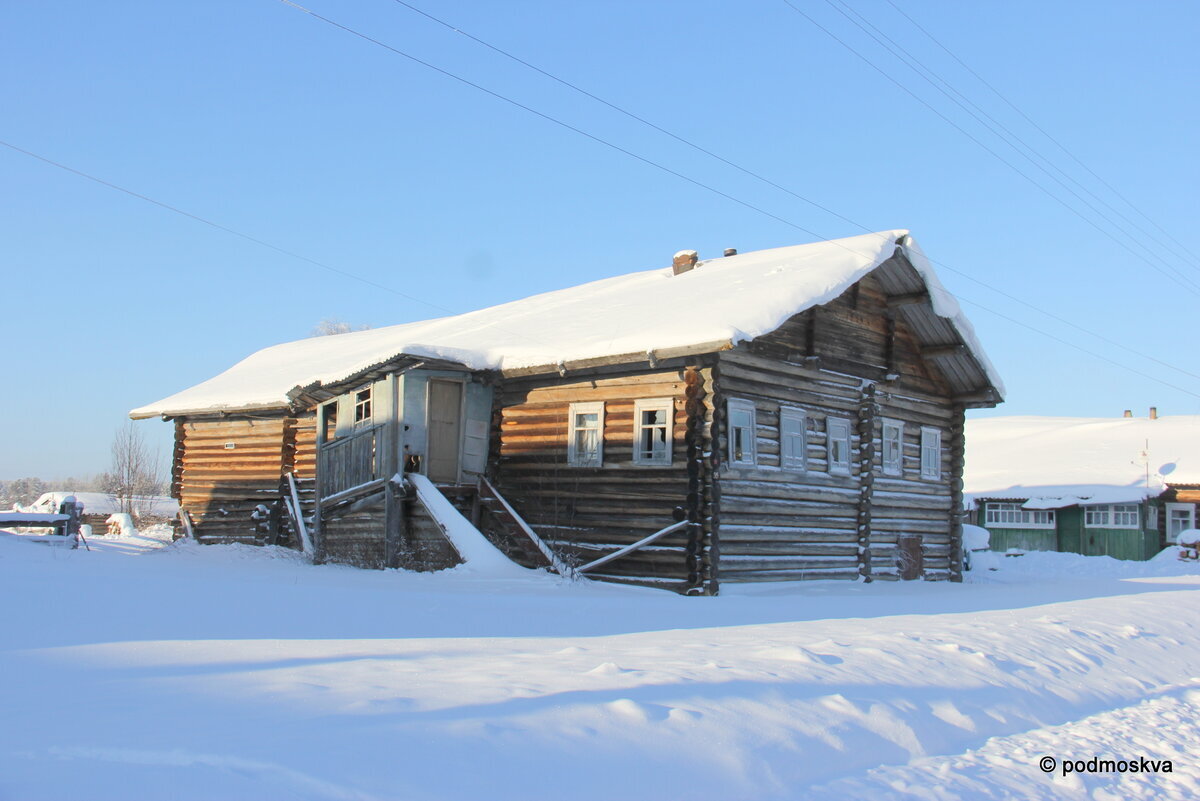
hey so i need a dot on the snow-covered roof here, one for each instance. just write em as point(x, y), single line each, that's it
point(1054, 462)
point(723, 300)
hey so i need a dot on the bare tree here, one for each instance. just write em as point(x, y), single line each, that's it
point(134, 476)
point(331, 326)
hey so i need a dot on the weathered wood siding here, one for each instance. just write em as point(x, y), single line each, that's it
point(849, 359)
point(219, 485)
point(354, 538)
point(587, 512)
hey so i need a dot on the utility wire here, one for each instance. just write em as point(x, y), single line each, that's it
point(664, 168)
point(549, 118)
point(724, 160)
point(1184, 283)
point(1004, 133)
point(629, 114)
point(347, 274)
point(1039, 128)
point(224, 228)
point(1079, 348)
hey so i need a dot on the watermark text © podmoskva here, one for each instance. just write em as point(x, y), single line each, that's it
point(1104, 765)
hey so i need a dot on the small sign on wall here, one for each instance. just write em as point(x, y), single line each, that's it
point(230, 446)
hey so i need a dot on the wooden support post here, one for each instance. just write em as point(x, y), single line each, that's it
point(275, 522)
point(316, 530)
point(866, 476)
point(393, 522)
point(476, 510)
point(700, 554)
point(957, 459)
point(186, 520)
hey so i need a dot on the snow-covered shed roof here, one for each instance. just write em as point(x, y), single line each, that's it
point(100, 503)
point(1054, 462)
point(721, 302)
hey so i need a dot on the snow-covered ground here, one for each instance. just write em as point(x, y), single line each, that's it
point(146, 670)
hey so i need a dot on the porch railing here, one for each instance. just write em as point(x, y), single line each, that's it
point(351, 461)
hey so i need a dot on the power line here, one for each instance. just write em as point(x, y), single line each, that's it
point(1079, 348)
point(1005, 134)
point(551, 119)
point(347, 274)
point(630, 114)
point(643, 159)
point(1187, 284)
point(724, 160)
point(221, 227)
point(1039, 128)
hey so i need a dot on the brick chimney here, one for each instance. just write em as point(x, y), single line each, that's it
point(684, 260)
point(1128, 413)
point(1153, 412)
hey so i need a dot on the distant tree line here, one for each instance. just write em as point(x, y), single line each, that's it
point(135, 472)
point(25, 491)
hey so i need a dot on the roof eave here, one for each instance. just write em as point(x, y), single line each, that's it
point(168, 413)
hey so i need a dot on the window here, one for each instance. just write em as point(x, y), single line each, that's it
point(1180, 516)
point(837, 431)
point(742, 428)
point(1011, 515)
point(893, 447)
point(793, 439)
point(585, 439)
point(328, 424)
point(652, 431)
point(362, 407)
point(1120, 515)
point(931, 454)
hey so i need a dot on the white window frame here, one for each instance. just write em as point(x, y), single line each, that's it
point(837, 429)
point(666, 405)
point(574, 458)
point(750, 450)
point(360, 403)
point(1172, 508)
point(892, 467)
point(793, 438)
point(1104, 515)
point(1002, 514)
point(931, 444)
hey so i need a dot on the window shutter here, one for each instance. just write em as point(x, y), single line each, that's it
point(793, 446)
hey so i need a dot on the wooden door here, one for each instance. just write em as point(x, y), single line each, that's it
point(445, 429)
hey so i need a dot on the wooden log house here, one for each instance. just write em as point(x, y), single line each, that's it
point(787, 414)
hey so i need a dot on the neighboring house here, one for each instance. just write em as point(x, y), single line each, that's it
point(1121, 487)
point(799, 410)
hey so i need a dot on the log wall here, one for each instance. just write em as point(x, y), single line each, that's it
point(220, 486)
point(849, 359)
point(587, 512)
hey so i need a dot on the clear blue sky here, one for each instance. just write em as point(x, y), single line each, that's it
point(259, 117)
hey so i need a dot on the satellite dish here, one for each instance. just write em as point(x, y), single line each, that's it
point(1167, 469)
